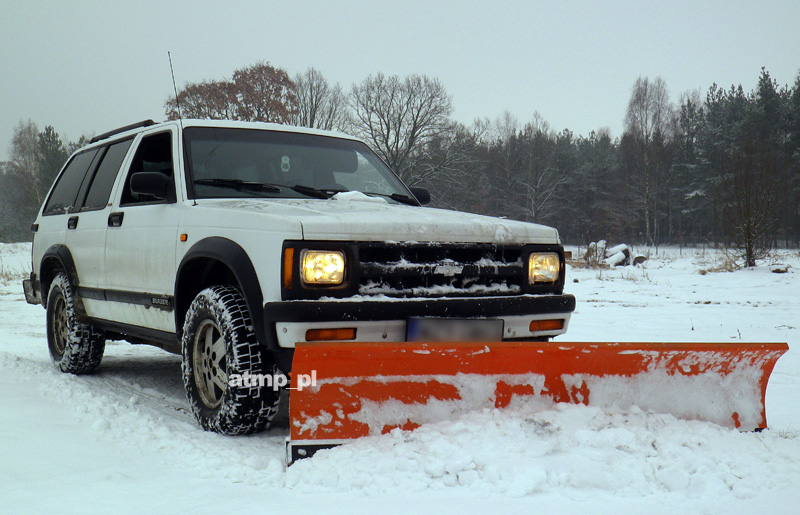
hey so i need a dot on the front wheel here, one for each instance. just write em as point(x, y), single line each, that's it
point(219, 344)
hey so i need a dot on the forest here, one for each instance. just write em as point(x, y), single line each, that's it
point(719, 167)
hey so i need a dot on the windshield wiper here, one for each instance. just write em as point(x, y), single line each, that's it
point(239, 184)
point(321, 193)
point(313, 192)
point(404, 199)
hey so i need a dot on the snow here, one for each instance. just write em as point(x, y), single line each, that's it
point(615, 259)
point(616, 249)
point(357, 196)
point(373, 288)
point(124, 439)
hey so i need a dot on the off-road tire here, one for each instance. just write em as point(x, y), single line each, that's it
point(75, 347)
point(220, 314)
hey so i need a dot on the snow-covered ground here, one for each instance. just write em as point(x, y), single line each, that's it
point(123, 439)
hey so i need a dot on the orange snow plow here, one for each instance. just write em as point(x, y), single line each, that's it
point(364, 389)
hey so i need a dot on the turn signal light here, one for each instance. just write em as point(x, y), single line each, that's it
point(328, 335)
point(288, 263)
point(546, 325)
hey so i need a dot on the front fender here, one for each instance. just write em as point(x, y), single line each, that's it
point(234, 257)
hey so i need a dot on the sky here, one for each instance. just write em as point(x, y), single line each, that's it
point(88, 67)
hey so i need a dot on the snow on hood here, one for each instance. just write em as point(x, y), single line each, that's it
point(357, 196)
point(349, 217)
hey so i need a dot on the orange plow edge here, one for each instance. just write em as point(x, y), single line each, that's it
point(362, 389)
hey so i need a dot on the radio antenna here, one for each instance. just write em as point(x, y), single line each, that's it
point(175, 87)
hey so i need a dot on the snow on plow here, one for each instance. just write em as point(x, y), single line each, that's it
point(365, 389)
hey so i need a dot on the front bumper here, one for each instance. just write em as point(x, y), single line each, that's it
point(386, 320)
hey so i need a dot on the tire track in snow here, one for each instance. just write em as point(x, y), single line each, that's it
point(153, 419)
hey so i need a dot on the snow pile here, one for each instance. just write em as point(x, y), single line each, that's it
point(709, 397)
point(471, 392)
point(567, 449)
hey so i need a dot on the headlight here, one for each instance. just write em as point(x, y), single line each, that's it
point(543, 268)
point(322, 267)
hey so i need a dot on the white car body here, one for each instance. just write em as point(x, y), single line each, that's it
point(128, 273)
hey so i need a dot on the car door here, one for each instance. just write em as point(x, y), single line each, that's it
point(86, 234)
point(142, 238)
point(58, 216)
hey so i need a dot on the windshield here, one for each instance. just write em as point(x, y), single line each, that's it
point(251, 163)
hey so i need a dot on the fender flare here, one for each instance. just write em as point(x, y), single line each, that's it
point(62, 254)
point(230, 254)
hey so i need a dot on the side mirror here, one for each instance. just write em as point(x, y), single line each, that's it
point(422, 195)
point(155, 184)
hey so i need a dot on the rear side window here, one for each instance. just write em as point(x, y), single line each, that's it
point(100, 190)
point(154, 154)
point(62, 199)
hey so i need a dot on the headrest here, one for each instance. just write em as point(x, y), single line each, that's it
point(331, 160)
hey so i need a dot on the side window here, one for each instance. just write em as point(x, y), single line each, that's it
point(154, 154)
point(65, 193)
point(106, 174)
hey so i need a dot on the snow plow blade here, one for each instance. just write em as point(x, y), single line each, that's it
point(364, 389)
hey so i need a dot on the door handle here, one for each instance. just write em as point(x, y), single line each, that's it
point(115, 219)
point(72, 223)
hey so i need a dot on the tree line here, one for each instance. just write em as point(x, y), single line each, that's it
point(35, 158)
point(721, 168)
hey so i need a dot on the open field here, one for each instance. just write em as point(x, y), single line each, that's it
point(123, 439)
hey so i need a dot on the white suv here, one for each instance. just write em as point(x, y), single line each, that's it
point(229, 242)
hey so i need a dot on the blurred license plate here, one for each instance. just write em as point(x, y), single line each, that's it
point(454, 330)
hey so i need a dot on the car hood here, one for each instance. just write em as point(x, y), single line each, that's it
point(362, 218)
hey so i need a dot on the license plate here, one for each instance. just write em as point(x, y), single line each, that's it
point(454, 330)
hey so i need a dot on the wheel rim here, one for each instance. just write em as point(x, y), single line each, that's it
point(209, 362)
point(60, 326)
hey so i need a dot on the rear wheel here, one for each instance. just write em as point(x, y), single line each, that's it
point(75, 347)
point(219, 344)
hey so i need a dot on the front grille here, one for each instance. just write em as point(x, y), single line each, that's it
point(440, 270)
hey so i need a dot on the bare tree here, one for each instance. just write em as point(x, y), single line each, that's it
point(448, 160)
point(258, 93)
point(649, 124)
point(753, 198)
point(24, 162)
point(319, 105)
point(523, 169)
point(399, 117)
point(540, 175)
point(22, 189)
point(503, 162)
point(505, 126)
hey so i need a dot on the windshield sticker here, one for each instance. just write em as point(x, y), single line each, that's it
point(285, 164)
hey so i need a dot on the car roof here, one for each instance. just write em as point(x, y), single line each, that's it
point(133, 129)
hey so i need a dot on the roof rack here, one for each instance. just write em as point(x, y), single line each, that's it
point(143, 123)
